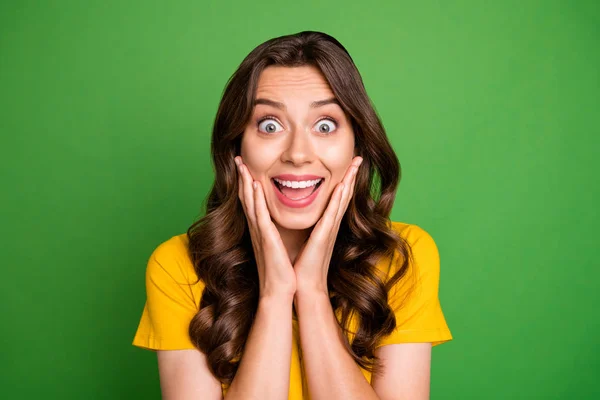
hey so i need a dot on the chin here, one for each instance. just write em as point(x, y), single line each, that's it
point(297, 222)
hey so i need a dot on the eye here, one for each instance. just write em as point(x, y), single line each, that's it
point(269, 125)
point(326, 125)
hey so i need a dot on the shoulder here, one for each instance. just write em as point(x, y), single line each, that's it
point(171, 260)
point(175, 248)
point(173, 295)
point(422, 246)
point(413, 234)
point(423, 255)
point(414, 297)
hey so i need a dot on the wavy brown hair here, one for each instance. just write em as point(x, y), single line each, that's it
point(219, 243)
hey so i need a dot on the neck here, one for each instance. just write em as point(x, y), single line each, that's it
point(293, 239)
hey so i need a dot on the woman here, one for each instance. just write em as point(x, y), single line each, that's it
point(295, 283)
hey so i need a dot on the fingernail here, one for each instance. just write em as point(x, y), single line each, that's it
point(360, 160)
point(355, 170)
point(237, 161)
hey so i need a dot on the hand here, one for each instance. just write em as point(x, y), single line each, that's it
point(312, 264)
point(275, 271)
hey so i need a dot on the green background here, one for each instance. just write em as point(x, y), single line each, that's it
point(106, 109)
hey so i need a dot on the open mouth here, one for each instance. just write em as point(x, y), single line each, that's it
point(297, 190)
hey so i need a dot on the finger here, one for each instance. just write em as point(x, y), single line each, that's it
point(244, 188)
point(349, 181)
point(347, 194)
point(350, 172)
point(326, 223)
point(248, 193)
point(240, 183)
point(263, 217)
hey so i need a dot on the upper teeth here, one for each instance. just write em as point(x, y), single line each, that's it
point(298, 184)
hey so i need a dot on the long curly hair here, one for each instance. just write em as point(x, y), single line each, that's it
point(219, 243)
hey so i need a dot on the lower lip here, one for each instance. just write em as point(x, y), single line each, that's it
point(296, 203)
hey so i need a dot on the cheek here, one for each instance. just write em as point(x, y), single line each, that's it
point(257, 156)
point(337, 158)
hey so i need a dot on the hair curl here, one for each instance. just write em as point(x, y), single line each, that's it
point(219, 243)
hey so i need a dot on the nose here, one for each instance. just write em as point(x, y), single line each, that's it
point(299, 149)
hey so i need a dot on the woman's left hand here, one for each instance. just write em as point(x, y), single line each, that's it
point(312, 264)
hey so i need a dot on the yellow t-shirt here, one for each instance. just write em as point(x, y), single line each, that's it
point(172, 301)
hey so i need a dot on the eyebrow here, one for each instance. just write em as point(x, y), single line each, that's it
point(281, 106)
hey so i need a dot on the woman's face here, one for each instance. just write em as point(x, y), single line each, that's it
point(297, 136)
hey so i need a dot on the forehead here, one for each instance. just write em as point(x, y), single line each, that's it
point(278, 81)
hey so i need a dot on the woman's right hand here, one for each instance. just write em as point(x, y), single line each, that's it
point(275, 270)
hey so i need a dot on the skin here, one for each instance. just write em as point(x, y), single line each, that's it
point(293, 249)
point(298, 147)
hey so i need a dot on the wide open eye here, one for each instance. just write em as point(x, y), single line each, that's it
point(269, 125)
point(326, 125)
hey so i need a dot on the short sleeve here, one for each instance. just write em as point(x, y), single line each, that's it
point(415, 298)
point(170, 299)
